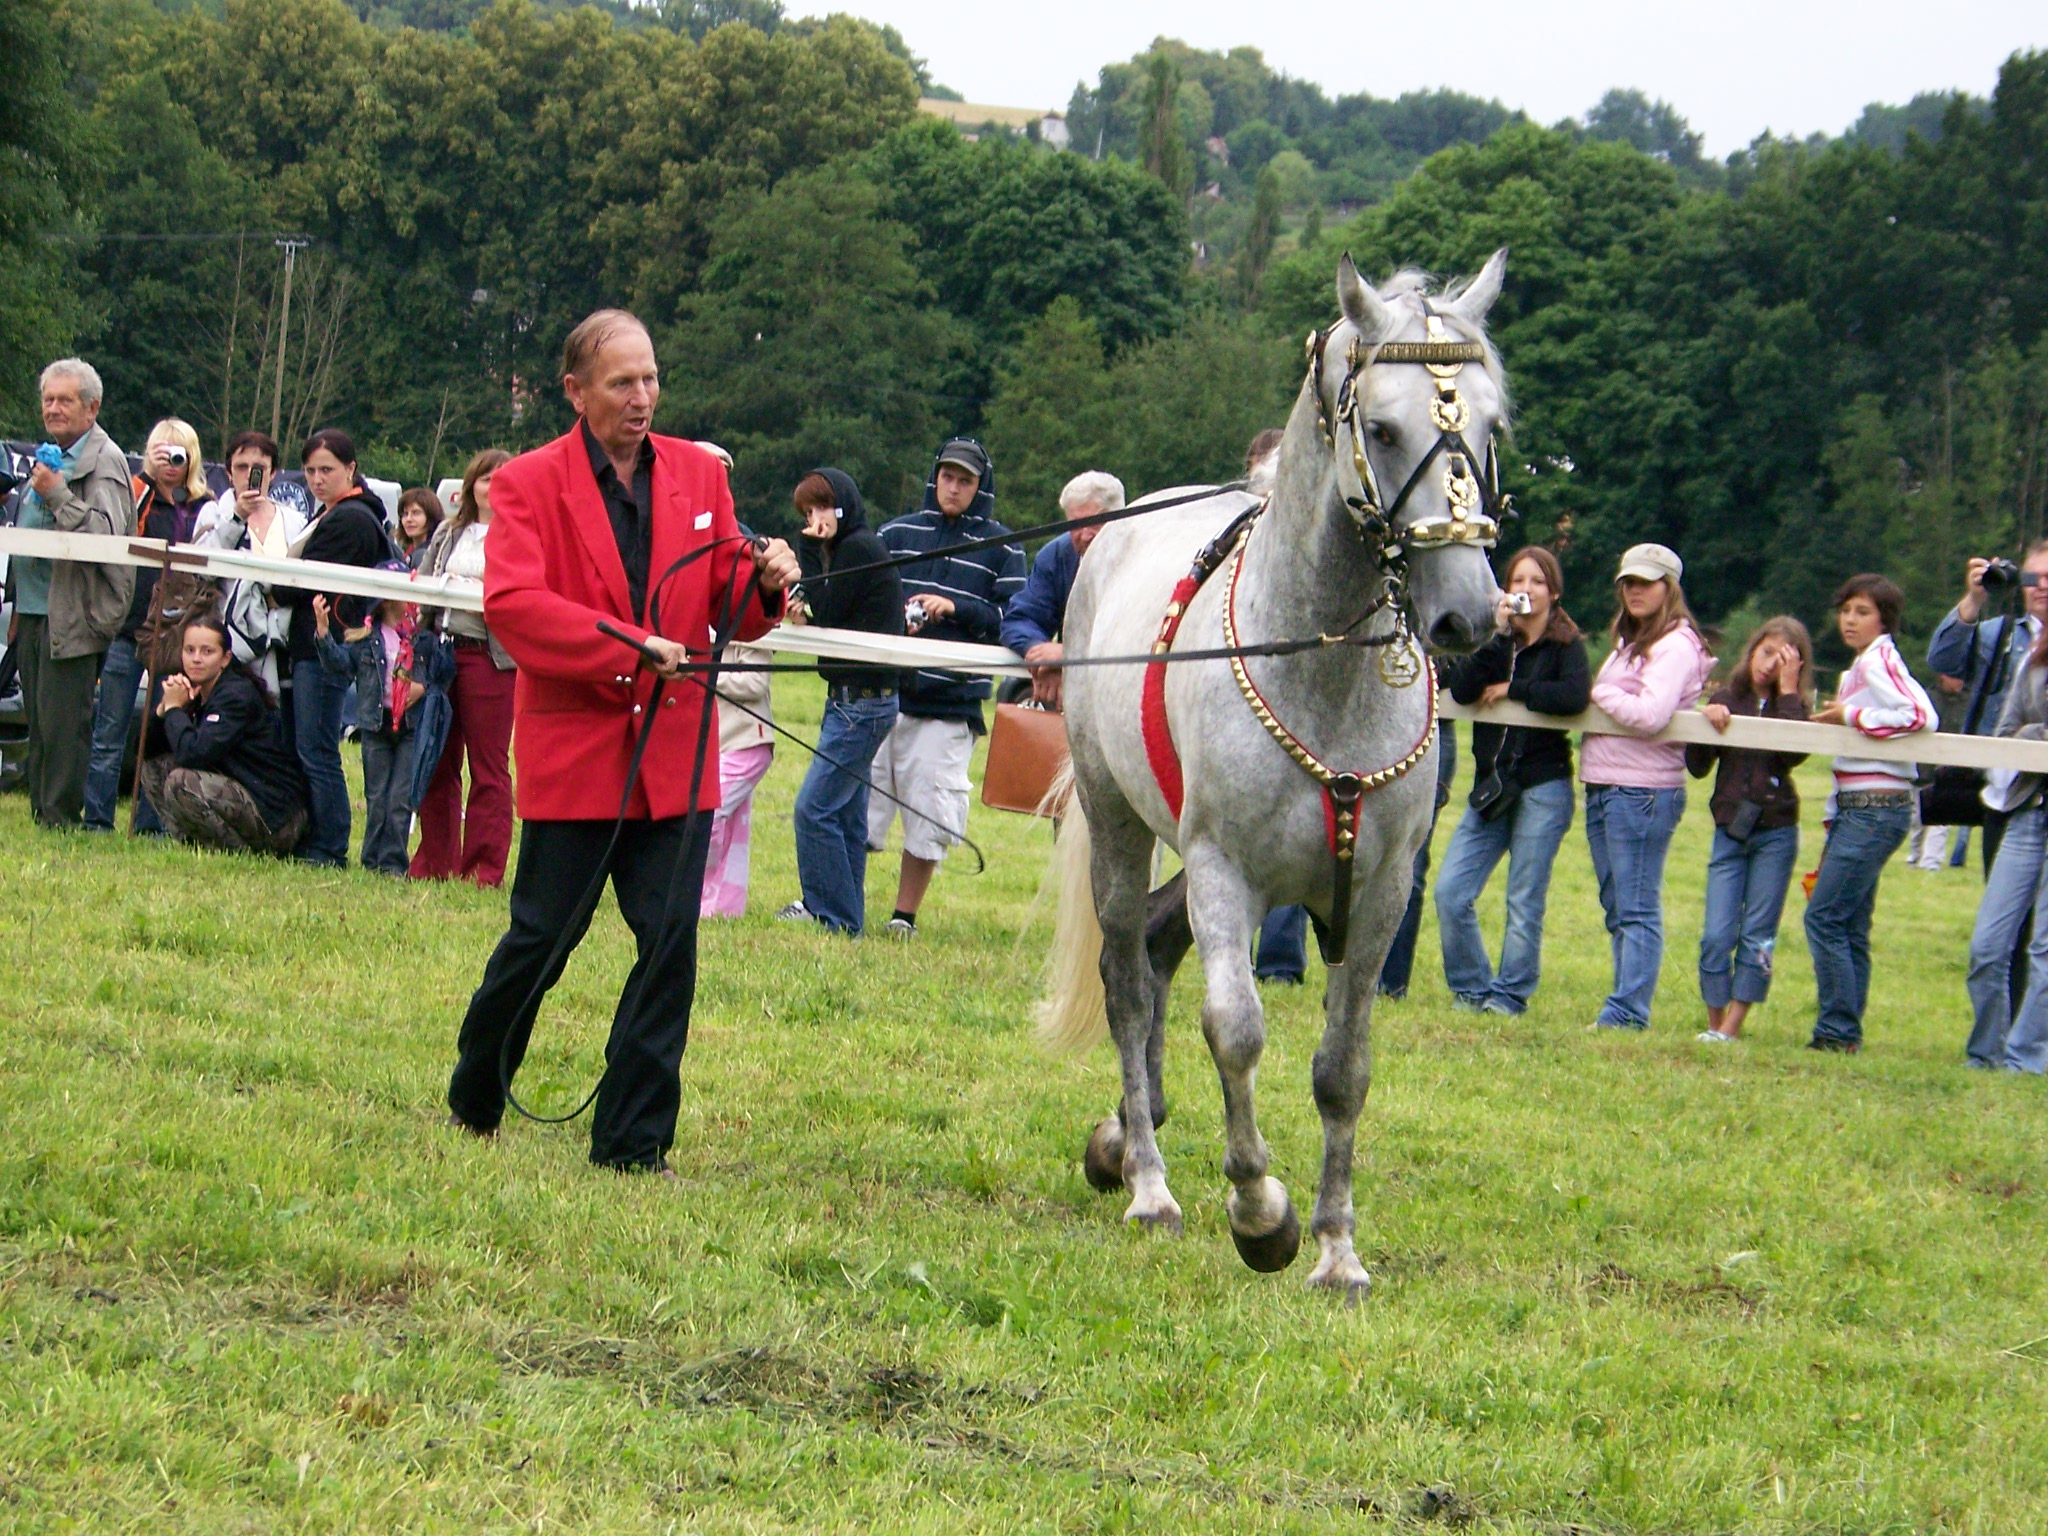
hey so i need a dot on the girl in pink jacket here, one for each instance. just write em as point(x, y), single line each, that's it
point(1635, 787)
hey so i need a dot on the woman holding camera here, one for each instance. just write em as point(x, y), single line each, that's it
point(221, 772)
point(168, 497)
point(1521, 801)
point(348, 529)
point(1756, 825)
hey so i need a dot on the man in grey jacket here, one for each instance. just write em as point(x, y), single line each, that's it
point(66, 611)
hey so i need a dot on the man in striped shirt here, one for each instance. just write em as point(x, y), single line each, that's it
point(924, 761)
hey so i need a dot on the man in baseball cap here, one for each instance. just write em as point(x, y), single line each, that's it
point(923, 763)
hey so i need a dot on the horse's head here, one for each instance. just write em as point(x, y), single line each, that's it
point(1413, 397)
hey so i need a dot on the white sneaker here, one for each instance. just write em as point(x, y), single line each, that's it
point(901, 928)
point(795, 912)
point(1715, 1037)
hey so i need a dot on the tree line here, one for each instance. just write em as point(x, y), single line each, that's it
point(1809, 357)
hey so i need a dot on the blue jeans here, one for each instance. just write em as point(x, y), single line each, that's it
point(1629, 832)
point(1838, 915)
point(113, 722)
point(1528, 834)
point(832, 811)
point(387, 797)
point(2018, 885)
point(316, 720)
point(1283, 945)
point(1746, 886)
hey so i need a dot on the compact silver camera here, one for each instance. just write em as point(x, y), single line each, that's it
point(1519, 602)
point(176, 458)
point(915, 615)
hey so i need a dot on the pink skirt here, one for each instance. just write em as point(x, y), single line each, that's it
point(725, 865)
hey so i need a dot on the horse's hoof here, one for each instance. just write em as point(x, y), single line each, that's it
point(1165, 1220)
point(1273, 1252)
point(1103, 1162)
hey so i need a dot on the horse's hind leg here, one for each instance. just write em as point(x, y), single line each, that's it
point(1167, 941)
point(1224, 911)
point(1122, 866)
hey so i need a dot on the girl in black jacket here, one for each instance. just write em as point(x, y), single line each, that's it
point(222, 776)
point(860, 701)
point(1521, 801)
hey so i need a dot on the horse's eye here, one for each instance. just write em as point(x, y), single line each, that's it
point(1382, 435)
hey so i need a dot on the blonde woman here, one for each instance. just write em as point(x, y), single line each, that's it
point(169, 494)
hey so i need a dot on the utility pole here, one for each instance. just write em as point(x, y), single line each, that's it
point(291, 248)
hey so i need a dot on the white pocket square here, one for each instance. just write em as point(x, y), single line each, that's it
point(703, 520)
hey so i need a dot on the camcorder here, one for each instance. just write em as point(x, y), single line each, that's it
point(2000, 574)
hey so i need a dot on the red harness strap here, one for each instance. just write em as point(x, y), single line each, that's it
point(1159, 748)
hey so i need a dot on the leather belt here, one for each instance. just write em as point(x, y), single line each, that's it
point(848, 693)
point(1871, 799)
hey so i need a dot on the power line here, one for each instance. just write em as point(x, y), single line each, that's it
point(249, 234)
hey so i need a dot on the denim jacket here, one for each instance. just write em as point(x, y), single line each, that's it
point(361, 660)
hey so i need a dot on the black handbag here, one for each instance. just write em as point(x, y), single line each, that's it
point(1952, 796)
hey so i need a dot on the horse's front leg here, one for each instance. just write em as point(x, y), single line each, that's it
point(1122, 862)
point(1343, 1072)
point(1224, 912)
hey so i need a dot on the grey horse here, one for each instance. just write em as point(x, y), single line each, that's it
point(1403, 392)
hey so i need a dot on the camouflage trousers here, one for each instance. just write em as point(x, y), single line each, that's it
point(213, 810)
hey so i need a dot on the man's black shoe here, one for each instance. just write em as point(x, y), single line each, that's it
point(1841, 1047)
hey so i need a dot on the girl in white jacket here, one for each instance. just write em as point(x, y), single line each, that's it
point(1870, 811)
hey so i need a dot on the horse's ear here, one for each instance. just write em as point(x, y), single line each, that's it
point(1359, 304)
point(1471, 305)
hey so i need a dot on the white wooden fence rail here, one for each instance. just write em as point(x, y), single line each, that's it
point(1927, 747)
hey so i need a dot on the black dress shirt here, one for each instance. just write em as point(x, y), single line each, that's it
point(631, 514)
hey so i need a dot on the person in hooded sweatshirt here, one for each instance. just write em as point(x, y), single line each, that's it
point(860, 701)
point(951, 597)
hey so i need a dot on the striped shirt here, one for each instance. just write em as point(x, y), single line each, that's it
point(980, 584)
point(1880, 698)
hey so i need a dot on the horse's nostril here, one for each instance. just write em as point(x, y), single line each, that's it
point(1451, 633)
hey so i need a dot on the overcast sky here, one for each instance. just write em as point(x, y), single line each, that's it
point(1735, 68)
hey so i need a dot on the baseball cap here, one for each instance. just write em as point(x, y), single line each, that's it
point(1651, 562)
point(965, 453)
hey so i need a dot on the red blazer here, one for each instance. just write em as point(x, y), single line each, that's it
point(553, 572)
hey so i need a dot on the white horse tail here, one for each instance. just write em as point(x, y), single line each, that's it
point(1072, 1015)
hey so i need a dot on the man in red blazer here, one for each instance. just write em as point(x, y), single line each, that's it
point(591, 528)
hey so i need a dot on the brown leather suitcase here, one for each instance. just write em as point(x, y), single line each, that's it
point(1026, 749)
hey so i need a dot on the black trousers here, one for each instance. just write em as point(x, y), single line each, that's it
point(658, 876)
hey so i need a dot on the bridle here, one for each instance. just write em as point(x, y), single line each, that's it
point(1474, 502)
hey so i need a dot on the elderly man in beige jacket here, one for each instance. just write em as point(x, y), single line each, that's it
point(66, 611)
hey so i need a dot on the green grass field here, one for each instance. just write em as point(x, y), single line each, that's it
point(248, 1282)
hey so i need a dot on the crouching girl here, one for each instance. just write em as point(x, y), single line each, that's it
point(220, 774)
